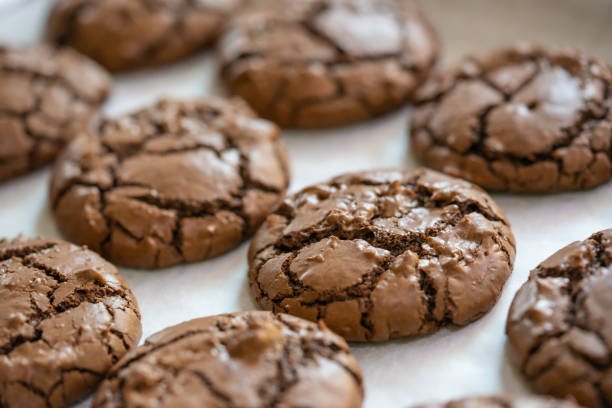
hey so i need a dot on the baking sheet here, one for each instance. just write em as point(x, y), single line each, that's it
point(452, 363)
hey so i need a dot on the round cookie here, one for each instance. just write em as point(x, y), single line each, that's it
point(519, 119)
point(45, 93)
point(560, 327)
point(174, 182)
point(383, 254)
point(248, 359)
point(129, 34)
point(66, 316)
point(323, 63)
point(504, 401)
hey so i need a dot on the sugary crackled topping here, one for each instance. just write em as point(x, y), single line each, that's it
point(66, 316)
point(520, 119)
point(316, 63)
point(385, 254)
point(128, 34)
point(560, 326)
point(504, 401)
point(249, 359)
point(178, 181)
point(44, 93)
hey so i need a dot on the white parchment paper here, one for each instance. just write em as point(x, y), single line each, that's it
point(452, 363)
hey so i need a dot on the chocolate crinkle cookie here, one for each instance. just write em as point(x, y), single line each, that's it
point(174, 182)
point(45, 93)
point(248, 359)
point(383, 254)
point(560, 326)
point(129, 34)
point(519, 119)
point(504, 401)
point(322, 63)
point(66, 316)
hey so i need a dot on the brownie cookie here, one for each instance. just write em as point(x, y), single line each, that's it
point(383, 254)
point(504, 401)
point(248, 359)
point(66, 316)
point(45, 93)
point(129, 34)
point(175, 182)
point(519, 119)
point(322, 63)
point(560, 327)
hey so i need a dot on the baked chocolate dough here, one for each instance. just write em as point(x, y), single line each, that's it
point(519, 119)
point(322, 63)
point(383, 254)
point(248, 359)
point(66, 316)
point(45, 94)
point(174, 182)
point(129, 34)
point(560, 326)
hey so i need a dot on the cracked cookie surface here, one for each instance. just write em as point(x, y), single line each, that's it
point(247, 359)
point(129, 34)
point(383, 254)
point(323, 63)
point(45, 93)
point(519, 119)
point(66, 316)
point(559, 325)
point(503, 402)
point(175, 182)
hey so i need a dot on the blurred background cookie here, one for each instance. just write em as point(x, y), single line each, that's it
point(519, 119)
point(45, 94)
point(322, 63)
point(129, 34)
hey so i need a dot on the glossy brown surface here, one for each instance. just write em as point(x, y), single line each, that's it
point(66, 316)
point(129, 34)
point(322, 63)
point(519, 119)
point(383, 254)
point(560, 327)
point(45, 93)
point(175, 182)
point(248, 359)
